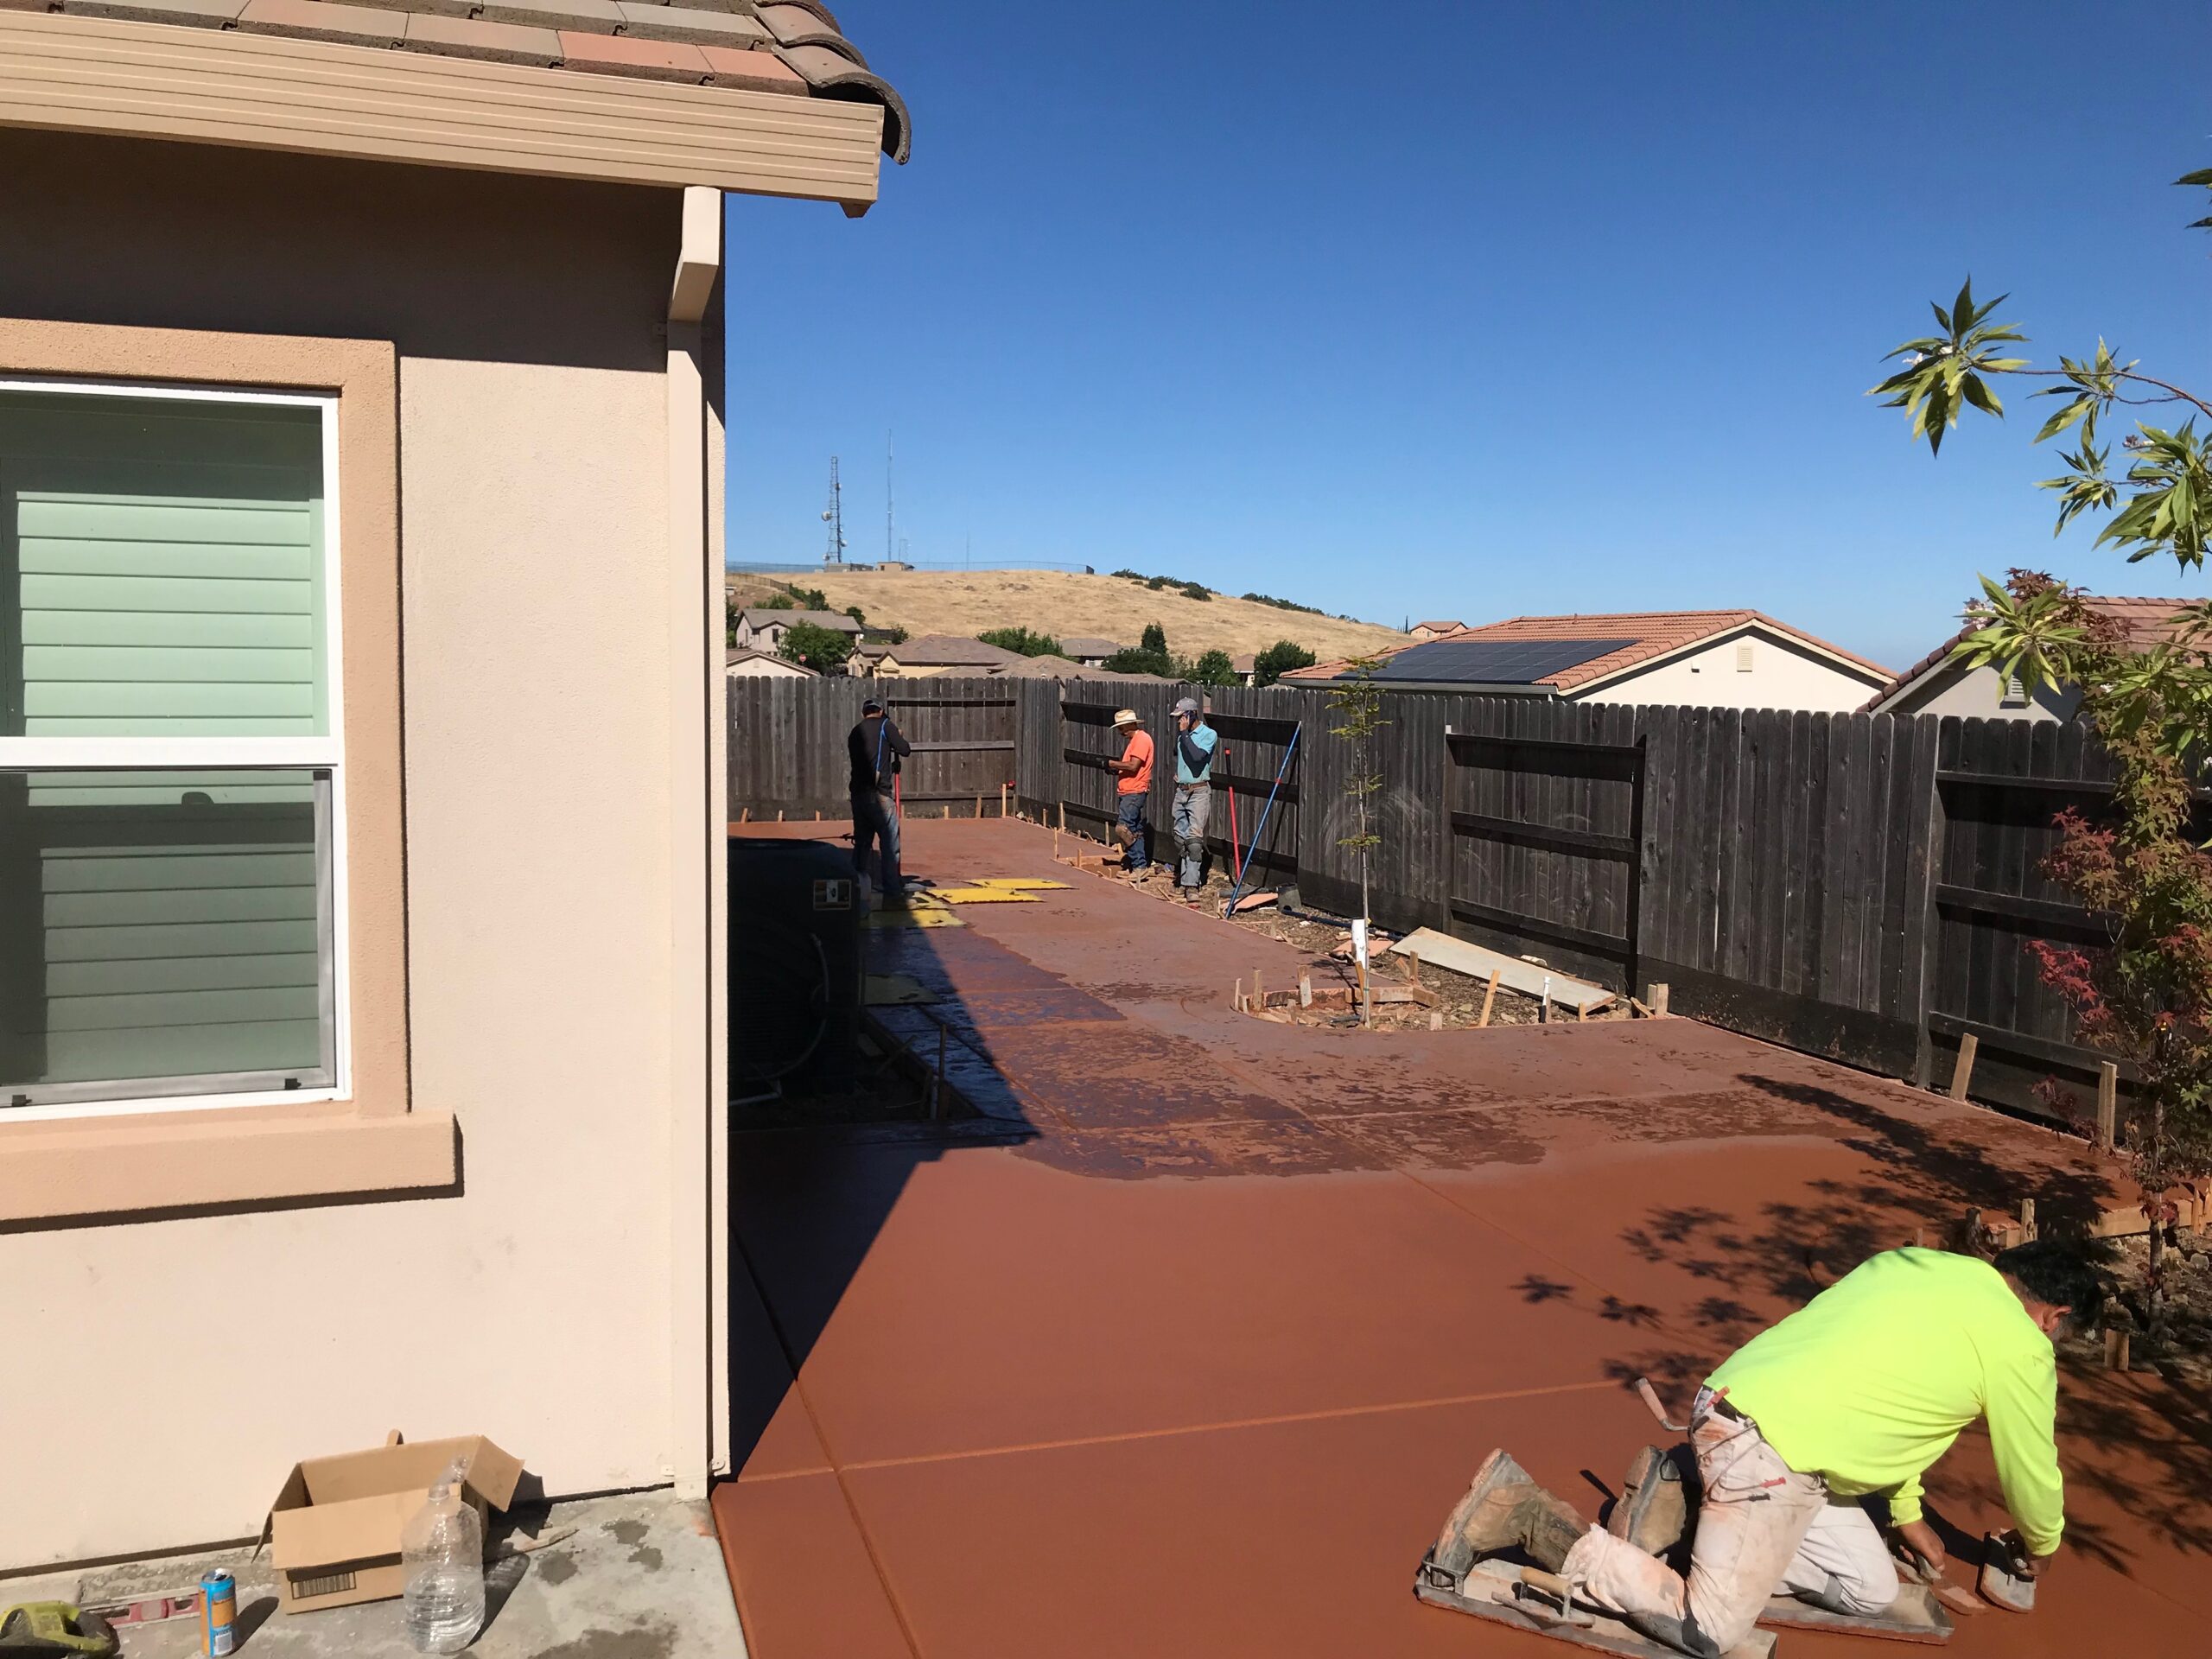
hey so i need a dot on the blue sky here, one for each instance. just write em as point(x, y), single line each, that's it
point(1469, 310)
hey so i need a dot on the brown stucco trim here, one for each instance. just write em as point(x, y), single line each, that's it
point(364, 376)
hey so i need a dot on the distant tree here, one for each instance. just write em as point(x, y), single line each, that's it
point(1278, 660)
point(1130, 574)
point(1154, 637)
point(857, 615)
point(1135, 659)
point(888, 636)
point(822, 649)
point(1195, 590)
point(811, 598)
point(1214, 668)
point(1024, 640)
point(776, 601)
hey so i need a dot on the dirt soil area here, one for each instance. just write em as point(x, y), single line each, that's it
point(1188, 1340)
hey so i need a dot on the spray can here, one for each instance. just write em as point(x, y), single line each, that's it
point(218, 1613)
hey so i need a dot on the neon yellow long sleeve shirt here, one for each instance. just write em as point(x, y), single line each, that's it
point(1872, 1380)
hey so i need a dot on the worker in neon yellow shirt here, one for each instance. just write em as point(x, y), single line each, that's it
point(1854, 1395)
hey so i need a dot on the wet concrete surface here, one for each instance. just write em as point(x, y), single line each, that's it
point(1195, 1362)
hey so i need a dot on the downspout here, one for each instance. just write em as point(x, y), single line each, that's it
point(697, 1246)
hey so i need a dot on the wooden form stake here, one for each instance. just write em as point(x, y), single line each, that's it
point(1236, 997)
point(1436, 1020)
point(1658, 1001)
point(1305, 990)
point(1962, 1073)
point(2107, 1104)
point(2027, 1221)
point(1063, 818)
point(1002, 800)
point(1259, 994)
point(1490, 995)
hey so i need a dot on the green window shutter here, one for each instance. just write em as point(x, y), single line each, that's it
point(163, 564)
point(159, 926)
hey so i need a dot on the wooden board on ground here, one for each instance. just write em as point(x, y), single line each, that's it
point(1480, 961)
point(982, 896)
point(1913, 1616)
point(1493, 1591)
point(1019, 884)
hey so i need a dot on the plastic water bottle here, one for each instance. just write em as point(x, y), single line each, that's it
point(442, 1550)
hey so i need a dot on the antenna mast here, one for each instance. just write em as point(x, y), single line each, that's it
point(890, 515)
point(834, 516)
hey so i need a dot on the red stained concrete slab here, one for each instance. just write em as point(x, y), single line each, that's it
point(1199, 1363)
point(806, 1586)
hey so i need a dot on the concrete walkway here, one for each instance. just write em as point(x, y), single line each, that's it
point(1196, 1361)
point(638, 1578)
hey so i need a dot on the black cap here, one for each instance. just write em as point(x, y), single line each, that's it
point(872, 706)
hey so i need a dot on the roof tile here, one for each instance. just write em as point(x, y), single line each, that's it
point(467, 37)
point(760, 71)
point(619, 54)
point(220, 12)
point(661, 23)
point(798, 26)
point(2146, 621)
point(834, 76)
point(324, 20)
point(602, 17)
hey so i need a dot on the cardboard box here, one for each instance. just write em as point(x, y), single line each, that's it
point(334, 1531)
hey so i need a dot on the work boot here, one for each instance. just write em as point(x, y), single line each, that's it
point(1652, 1511)
point(1504, 1509)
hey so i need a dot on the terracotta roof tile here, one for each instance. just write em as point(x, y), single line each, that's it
point(1655, 633)
point(763, 72)
point(323, 20)
point(586, 17)
point(794, 46)
point(694, 23)
point(466, 37)
point(618, 54)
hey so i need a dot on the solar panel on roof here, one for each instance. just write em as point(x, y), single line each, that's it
point(1495, 662)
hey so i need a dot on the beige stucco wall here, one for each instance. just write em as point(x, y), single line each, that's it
point(1782, 675)
point(203, 1355)
point(1979, 692)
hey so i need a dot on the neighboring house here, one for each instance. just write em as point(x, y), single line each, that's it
point(1062, 668)
point(361, 754)
point(1245, 667)
point(1422, 632)
point(1938, 685)
point(763, 630)
point(1724, 659)
point(1092, 653)
point(764, 665)
point(943, 653)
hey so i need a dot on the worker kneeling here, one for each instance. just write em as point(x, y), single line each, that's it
point(1854, 1395)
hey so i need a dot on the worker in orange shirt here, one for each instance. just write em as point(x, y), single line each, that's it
point(1133, 776)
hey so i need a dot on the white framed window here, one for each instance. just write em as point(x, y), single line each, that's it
point(172, 760)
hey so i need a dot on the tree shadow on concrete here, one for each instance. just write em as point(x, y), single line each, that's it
point(2137, 1452)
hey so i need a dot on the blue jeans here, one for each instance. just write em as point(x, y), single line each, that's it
point(873, 820)
point(1193, 805)
point(1129, 813)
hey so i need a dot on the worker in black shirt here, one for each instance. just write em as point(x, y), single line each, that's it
point(875, 747)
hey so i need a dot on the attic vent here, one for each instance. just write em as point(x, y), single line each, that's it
point(1742, 656)
point(2016, 695)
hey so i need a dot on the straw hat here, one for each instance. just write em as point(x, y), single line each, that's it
point(1126, 717)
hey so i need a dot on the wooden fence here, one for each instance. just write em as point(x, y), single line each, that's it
point(1859, 887)
point(787, 751)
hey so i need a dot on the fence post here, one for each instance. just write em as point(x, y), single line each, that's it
point(1923, 926)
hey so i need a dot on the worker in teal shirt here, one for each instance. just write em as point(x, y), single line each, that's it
point(1195, 743)
point(1854, 1395)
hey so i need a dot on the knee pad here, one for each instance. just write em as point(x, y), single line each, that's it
point(1683, 1635)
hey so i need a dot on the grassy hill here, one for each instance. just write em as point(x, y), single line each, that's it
point(1065, 605)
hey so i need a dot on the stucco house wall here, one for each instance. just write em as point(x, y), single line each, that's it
point(1979, 692)
point(1782, 675)
point(200, 1355)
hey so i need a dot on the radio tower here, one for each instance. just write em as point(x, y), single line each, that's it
point(890, 511)
point(834, 516)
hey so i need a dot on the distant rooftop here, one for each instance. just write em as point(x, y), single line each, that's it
point(760, 616)
point(951, 650)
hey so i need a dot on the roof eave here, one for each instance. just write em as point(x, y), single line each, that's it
point(268, 92)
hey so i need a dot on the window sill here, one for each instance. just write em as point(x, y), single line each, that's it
point(132, 1168)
